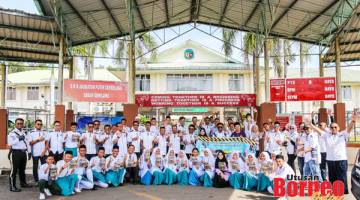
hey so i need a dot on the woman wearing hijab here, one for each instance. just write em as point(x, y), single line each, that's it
point(266, 169)
point(157, 166)
point(145, 168)
point(182, 162)
point(196, 168)
point(221, 178)
point(256, 136)
point(250, 175)
point(237, 168)
point(208, 164)
point(170, 168)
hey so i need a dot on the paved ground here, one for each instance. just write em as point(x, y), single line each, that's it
point(140, 192)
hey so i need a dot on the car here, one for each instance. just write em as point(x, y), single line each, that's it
point(355, 177)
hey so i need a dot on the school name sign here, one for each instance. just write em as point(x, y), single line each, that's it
point(95, 91)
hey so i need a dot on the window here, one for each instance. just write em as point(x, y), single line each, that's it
point(33, 93)
point(346, 92)
point(236, 82)
point(11, 93)
point(189, 82)
point(142, 82)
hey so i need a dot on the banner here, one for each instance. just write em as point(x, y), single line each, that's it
point(195, 100)
point(277, 90)
point(283, 120)
point(303, 89)
point(228, 145)
point(95, 91)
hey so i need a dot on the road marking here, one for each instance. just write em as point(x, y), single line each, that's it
point(142, 194)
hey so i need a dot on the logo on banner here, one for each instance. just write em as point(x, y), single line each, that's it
point(189, 54)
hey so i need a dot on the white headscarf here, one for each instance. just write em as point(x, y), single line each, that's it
point(267, 157)
point(210, 158)
point(153, 156)
point(168, 156)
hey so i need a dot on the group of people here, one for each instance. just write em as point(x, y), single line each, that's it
point(65, 163)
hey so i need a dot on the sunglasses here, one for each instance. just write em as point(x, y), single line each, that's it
point(20, 123)
point(39, 124)
point(334, 127)
point(96, 124)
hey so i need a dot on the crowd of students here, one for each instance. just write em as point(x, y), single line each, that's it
point(65, 163)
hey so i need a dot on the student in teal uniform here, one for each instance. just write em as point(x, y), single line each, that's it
point(250, 175)
point(237, 168)
point(266, 169)
point(182, 167)
point(67, 178)
point(157, 166)
point(170, 168)
point(208, 164)
point(196, 168)
point(98, 166)
point(47, 176)
point(115, 170)
point(145, 168)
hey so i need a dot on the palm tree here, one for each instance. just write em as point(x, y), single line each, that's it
point(144, 43)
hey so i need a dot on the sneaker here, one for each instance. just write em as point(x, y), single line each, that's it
point(47, 192)
point(78, 190)
point(42, 196)
point(270, 190)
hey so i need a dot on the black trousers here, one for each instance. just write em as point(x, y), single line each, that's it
point(337, 171)
point(291, 161)
point(36, 160)
point(323, 166)
point(18, 160)
point(131, 175)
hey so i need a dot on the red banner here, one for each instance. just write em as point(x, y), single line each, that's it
point(277, 89)
point(95, 91)
point(194, 100)
point(297, 120)
point(303, 89)
point(283, 120)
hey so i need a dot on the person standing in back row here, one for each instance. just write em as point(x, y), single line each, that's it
point(19, 147)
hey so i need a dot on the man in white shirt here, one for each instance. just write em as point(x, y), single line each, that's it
point(89, 139)
point(336, 155)
point(189, 141)
point(181, 125)
point(147, 137)
point(220, 133)
point(72, 139)
point(167, 124)
point(133, 138)
point(36, 139)
point(97, 129)
point(275, 139)
point(175, 139)
point(291, 137)
point(125, 127)
point(161, 141)
point(312, 155)
point(154, 129)
point(207, 126)
point(55, 141)
point(120, 138)
point(248, 123)
point(106, 140)
point(322, 142)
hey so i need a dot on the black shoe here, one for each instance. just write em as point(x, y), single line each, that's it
point(25, 185)
point(15, 189)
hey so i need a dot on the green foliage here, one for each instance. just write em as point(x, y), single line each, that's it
point(14, 67)
point(229, 38)
point(144, 119)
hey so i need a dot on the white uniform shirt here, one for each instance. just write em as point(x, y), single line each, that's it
point(130, 158)
point(322, 142)
point(154, 130)
point(312, 142)
point(15, 143)
point(108, 145)
point(207, 128)
point(162, 144)
point(65, 172)
point(147, 139)
point(283, 171)
point(131, 136)
point(72, 139)
point(121, 139)
point(89, 141)
point(273, 145)
point(174, 142)
point(42, 169)
point(190, 138)
point(181, 128)
point(114, 160)
point(98, 164)
point(39, 147)
point(336, 146)
point(292, 136)
point(56, 141)
point(221, 134)
point(168, 128)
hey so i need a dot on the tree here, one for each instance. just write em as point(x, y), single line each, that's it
point(229, 39)
point(144, 42)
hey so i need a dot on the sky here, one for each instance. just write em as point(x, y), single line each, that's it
point(198, 36)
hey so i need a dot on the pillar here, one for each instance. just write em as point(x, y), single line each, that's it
point(265, 112)
point(338, 71)
point(267, 71)
point(130, 112)
point(321, 73)
point(131, 52)
point(323, 115)
point(61, 71)
point(71, 76)
point(3, 127)
point(69, 118)
point(60, 115)
point(257, 76)
point(339, 114)
point(3, 86)
point(302, 71)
